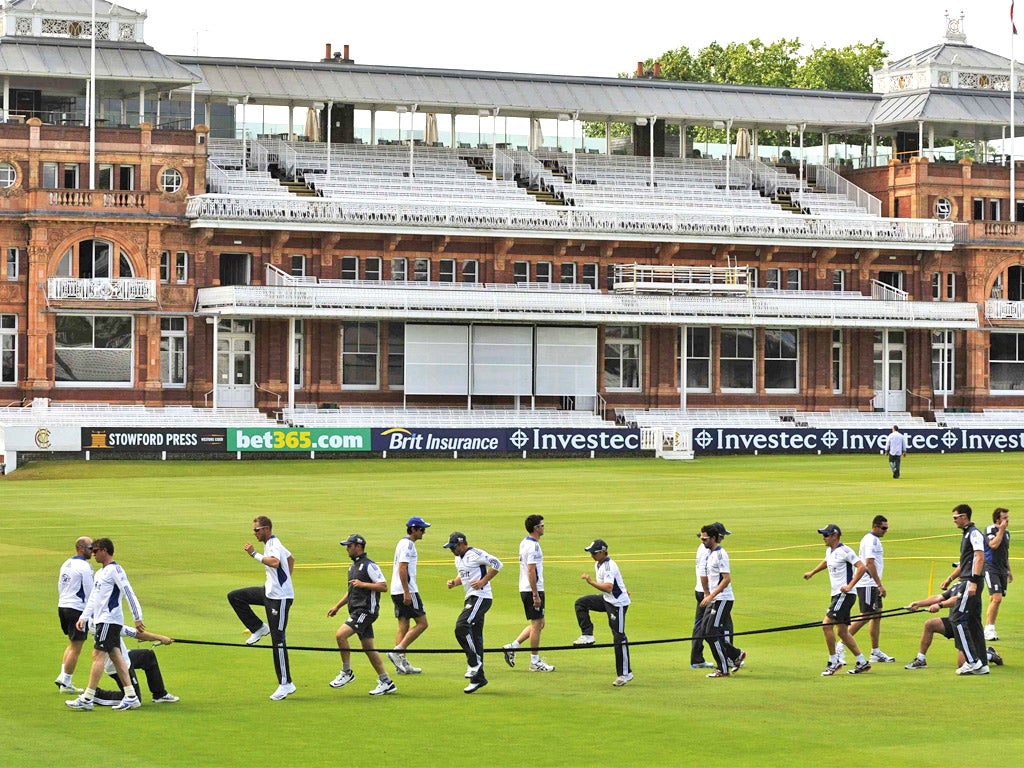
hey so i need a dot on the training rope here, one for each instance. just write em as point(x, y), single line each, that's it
point(886, 614)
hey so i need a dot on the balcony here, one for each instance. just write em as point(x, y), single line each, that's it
point(991, 232)
point(99, 289)
point(1004, 309)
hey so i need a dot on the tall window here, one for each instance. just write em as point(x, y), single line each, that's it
point(105, 177)
point(698, 359)
point(773, 278)
point(622, 354)
point(172, 351)
point(373, 268)
point(349, 267)
point(793, 278)
point(590, 274)
point(568, 272)
point(94, 259)
point(942, 362)
point(165, 266)
point(360, 347)
point(838, 280)
point(936, 286)
point(8, 349)
point(893, 278)
point(399, 269)
point(521, 272)
point(737, 359)
point(471, 271)
point(51, 176)
point(1006, 363)
point(950, 286)
point(11, 265)
point(446, 271)
point(298, 265)
point(421, 270)
point(837, 362)
point(181, 266)
point(543, 269)
point(300, 345)
point(93, 349)
point(781, 359)
point(396, 355)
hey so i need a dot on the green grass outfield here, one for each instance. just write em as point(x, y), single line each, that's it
point(179, 530)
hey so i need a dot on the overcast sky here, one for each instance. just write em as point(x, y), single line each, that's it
point(599, 39)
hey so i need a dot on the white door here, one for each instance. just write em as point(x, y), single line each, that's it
point(236, 341)
point(891, 388)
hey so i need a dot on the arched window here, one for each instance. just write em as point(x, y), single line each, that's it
point(94, 259)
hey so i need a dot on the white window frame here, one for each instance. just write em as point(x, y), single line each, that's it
point(780, 360)
point(794, 279)
point(171, 180)
point(837, 362)
point(627, 341)
point(298, 265)
point(1018, 362)
point(421, 270)
point(12, 263)
point(177, 343)
point(724, 358)
point(446, 269)
point(9, 346)
point(591, 274)
point(773, 278)
point(165, 266)
point(181, 267)
point(349, 267)
point(8, 175)
point(399, 269)
point(567, 273)
point(373, 268)
point(520, 272)
point(950, 286)
point(543, 272)
point(693, 362)
point(943, 341)
point(299, 371)
point(51, 175)
point(396, 359)
point(471, 271)
point(350, 354)
point(131, 350)
point(839, 280)
point(936, 286)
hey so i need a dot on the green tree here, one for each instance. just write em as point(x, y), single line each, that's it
point(841, 69)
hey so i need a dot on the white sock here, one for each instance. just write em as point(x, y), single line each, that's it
point(534, 658)
point(129, 692)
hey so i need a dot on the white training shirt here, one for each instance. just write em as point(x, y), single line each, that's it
point(608, 573)
point(842, 562)
point(74, 583)
point(104, 604)
point(530, 554)
point(871, 548)
point(717, 563)
point(473, 565)
point(702, 556)
point(405, 552)
point(279, 579)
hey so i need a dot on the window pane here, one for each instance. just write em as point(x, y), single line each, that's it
point(113, 332)
point(73, 331)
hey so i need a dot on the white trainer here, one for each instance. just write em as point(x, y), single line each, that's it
point(396, 658)
point(81, 704)
point(584, 640)
point(967, 668)
point(621, 680)
point(126, 704)
point(167, 698)
point(471, 672)
point(383, 688)
point(283, 691)
point(344, 677)
point(255, 636)
point(541, 666)
point(881, 657)
point(990, 634)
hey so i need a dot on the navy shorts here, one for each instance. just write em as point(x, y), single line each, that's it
point(869, 599)
point(947, 628)
point(411, 610)
point(69, 624)
point(362, 624)
point(531, 612)
point(995, 580)
point(108, 637)
point(840, 607)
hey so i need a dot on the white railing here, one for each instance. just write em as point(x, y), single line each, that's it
point(1003, 309)
point(100, 289)
point(642, 278)
point(837, 185)
point(505, 167)
point(258, 159)
point(771, 180)
point(277, 276)
point(884, 292)
point(632, 224)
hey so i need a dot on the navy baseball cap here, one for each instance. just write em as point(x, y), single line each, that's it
point(454, 540)
point(355, 538)
point(417, 522)
point(597, 545)
point(721, 529)
point(829, 529)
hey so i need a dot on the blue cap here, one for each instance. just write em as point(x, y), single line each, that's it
point(417, 522)
point(355, 538)
point(829, 529)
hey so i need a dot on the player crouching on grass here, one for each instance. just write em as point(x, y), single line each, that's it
point(945, 627)
point(844, 569)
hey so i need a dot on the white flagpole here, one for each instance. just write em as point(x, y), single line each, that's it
point(92, 101)
point(1013, 122)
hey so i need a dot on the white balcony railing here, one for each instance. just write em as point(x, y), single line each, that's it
point(635, 224)
point(1003, 309)
point(100, 289)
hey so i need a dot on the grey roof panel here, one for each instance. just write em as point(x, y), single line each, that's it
point(70, 58)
